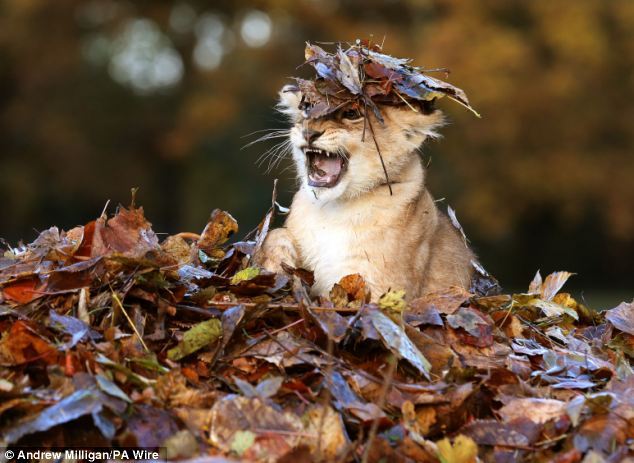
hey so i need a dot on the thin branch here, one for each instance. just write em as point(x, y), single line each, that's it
point(389, 376)
point(138, 335)
point(378, 150)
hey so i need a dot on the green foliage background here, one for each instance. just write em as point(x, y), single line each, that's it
point(543, 180)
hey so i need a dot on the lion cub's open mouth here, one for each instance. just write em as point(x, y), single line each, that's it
point(324, 168)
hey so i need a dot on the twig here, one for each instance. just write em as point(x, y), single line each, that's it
point(105, 208)
point(288, 351)
point(116, 299)
point(327, 395)
point(283, 306)
point(284, 328)
point(378, 150)
point(406, 102)
point(548, 441)
point(204, 312)
point(187, 236)
point(506, 316)
point(389, 375)
point(283, 432)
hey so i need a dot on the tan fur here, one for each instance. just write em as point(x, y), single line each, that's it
point(400, 241)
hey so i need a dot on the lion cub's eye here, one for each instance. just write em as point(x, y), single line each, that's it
point(351, 114)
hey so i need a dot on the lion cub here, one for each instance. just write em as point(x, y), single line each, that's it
point(343, 219)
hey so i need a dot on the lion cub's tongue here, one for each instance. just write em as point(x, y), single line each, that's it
point(325, 169)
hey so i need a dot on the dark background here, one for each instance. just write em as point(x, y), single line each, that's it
point(100, 96)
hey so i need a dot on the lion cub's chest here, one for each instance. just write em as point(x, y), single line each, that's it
point(337, 241)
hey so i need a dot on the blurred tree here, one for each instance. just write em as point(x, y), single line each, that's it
point(97, 96)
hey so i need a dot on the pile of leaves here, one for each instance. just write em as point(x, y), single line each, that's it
point(363, 77)
point(110, 337)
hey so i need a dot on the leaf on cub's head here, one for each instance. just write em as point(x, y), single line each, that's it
point(362, 75)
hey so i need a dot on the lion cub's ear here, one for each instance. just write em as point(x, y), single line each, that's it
point(290, 98)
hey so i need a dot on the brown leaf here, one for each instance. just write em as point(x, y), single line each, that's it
point(488, 303)
point(219, 228)
point(127, 233)
point(381, 451)
point(178, 249)
point(276, 432)
point(622, 317)
point(75, 276)
point(284, 350)
point(491, 432)
point(535, 286)
point(54, 245)
point(355, 287)
point(535, 409)
point(432, 344)
point(149, 427)
point(331, 323)
point(478, 325)
point(387, 76)
point(23, 345)
point(316, 104)
point(324, 430)
point(338, 296)
point(87, 236)
point(571, 456)
point(445, 301)
point(553, 283)
point(493, 356)
point(346, 399)
point(418, 421)
point(173, 391)
point(423, 315)
point(602, 433)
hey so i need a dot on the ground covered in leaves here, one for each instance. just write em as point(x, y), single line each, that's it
point(110, 337)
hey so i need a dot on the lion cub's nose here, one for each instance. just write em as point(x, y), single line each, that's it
point(311, 135)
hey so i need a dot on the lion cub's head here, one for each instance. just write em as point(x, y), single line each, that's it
point(336, 156)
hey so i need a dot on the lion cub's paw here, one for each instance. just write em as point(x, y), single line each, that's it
point(278, 247)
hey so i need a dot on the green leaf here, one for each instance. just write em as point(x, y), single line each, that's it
point(248, 273)
point(242, 441)
point(196, 338)
point(149, 362)
point(132, 376)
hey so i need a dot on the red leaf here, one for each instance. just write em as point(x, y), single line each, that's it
point(22, 291)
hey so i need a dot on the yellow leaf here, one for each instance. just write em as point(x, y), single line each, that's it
point(463, 450)
point(393, 301)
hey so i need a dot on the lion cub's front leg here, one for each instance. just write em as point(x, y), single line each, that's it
point(278, 247)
